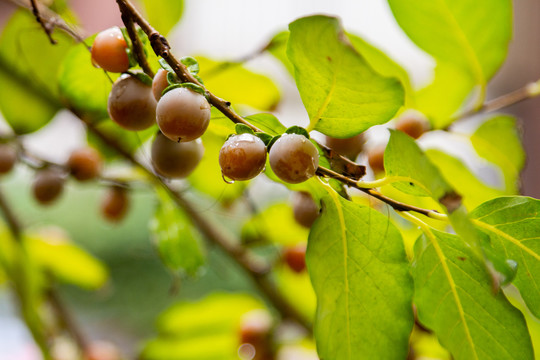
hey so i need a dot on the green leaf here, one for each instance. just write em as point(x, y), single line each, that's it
point(267, 123)
point(65, 260)
point(191, 86)
point(191, 63)
point(454, 298)
point(440, 100)
point(297, 130)
point(383, 64)
point(186, 329)
point(278, 48)
point(28, 67)
point(473, 191)
point(243, 129)
point(513, 224)
point(404, 160)
point(450, 31)
point(359, 272)
point(84, 87)
point(275, 223)
point(178, 243)
point(239, 85)
point(342, 94)
point(163, 14)
point(498, 140)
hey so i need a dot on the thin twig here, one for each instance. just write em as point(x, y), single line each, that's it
point(136, 42)
point(161, 47)
point(396, 205)
point(53, 20)
point(526, 92)
point(46, 28)
point(67, 321)
point(13, 223)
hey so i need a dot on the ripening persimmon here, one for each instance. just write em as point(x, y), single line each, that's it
point(109, 51)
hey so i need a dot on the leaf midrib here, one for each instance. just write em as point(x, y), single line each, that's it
point(451, 282)
point(342, 227)
point(469, 51)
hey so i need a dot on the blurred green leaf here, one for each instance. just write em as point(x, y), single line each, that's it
point(82, 86)
point(275, 223)
point(383, 64)
point(186, 329)
point(217, 313)
point(238, 85)
point(454, 28)
point(445, 95)
point(473, 191)
point(128, 140)
point(513, 224)
point(342, 94)
point(359, 272)
point(163, 14)
point(404, 159)
point(291, 285)
point(464, 59)
point(498, 140)
point(454, 298)
point(267, 123)
point(65, 260)
point(178, 243)
point(28, 67)
point(213, 347)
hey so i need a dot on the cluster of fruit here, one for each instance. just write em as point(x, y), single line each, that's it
point(83, 164)
point(183, 115)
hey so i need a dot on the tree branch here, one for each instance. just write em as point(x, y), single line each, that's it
point(254, 266)
point(136, 42)
point(528, 91)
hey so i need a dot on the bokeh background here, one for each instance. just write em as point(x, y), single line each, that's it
point(124, 311)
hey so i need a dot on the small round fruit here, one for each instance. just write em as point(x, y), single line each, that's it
point(131, 104)
point(182, 114)
point(109, 51)
point(376, 159)
point(412, 124)
point(8, 158)
point(305, 209)
point(48, 185)
point(294, 158)
point(159, 83)
point(175, 159)
point(115, 204)
point(242, 157)
point(84, 164)
point(295, 257)
point(349, 147)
